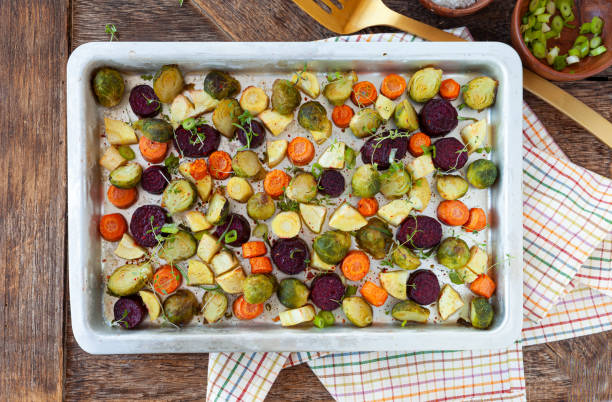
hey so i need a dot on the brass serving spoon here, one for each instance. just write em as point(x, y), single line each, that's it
point(356, 15)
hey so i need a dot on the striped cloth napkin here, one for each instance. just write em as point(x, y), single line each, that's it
point(567, 245)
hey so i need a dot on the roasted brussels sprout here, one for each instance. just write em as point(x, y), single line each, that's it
point(168, 83)
point(404, 258)
point(258, 288)
point(178, 247)
point(108, 86)
point(358, 311)
point(365, 123)
point(220, 85)
point(453, 253)
point(180, 307)
point(408, 310)
point(129, 279)
point(395, 182)
point(302, 188)
point(332, 246)
point(424, 84)
point(260, 206)
point(126, 176)
point(225, 117)
point(340, 87)
point(481, 313)
point(365, 181)
point(292, 293)
point(157, 130)
point(405, 116)
point(285, 97)
point(480, 93)
point(312, 116)
point(482, 173)
point(246, 164)
point(451, 187)
point(375, 238)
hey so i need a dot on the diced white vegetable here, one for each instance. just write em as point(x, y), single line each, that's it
point(347, 218)
point(552, 53)
point(274, 121)
point(119, 133)
point(112, 159)
point(313, 216)
point(239, 189)
point(254, 99)
point(572, 59)
point(196, 221)
point(198, 273)
point(384, 106)
point(231, 281)
point(297, 316)
point(223, 262)
point(395, 211)
point(286, 224)
point(276, 151)
point(394, 282)
point(202, 102)
point(450, 301)
point(307, 82)
point(214, 306)
point(204, 187)
point(474, 135)
point(151, 303)
point(322, 135)
point(466, 275)
point(478, 261)
point(545, 27)
point(208, 247)
point(420, 194)
point(421, 167)
point(128, 249)
point(317, 263)
point(180, 109)
point(333, 156)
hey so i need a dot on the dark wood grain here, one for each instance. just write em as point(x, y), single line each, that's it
point(34, 50)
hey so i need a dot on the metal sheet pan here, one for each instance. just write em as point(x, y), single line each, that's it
point(259, 63)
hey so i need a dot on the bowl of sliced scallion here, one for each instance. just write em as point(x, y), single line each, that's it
point(563, 40)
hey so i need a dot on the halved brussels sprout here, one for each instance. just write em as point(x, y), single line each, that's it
point(129, 279)
point(258, 288)
point(480, 93)
point(481, 173)
point(481, 313)
point(395, 182)
point(405, 116)
point(332, 246)
point(424, 84)
point(260, 206)
point(220, 85)
point(408, 310)
point(180, 307)
point(168, 83)
point(225, 116)
point(246, 164)
point(285, 96)
point(108, 86)
point(365, 181)
point(358, 311)
point(404, 258)
point(157, 130)
point(453, 253)
point(340, 87)
point(302, 188)
point(312, 116)
point(451, 187)
point(375, 238)
point(292, 293)
point(365, 123)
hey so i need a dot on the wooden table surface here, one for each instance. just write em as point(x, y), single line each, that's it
point(40, 358)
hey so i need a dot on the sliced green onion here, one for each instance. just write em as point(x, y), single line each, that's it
point(551, 34)
point(546, 28)
point(585, 28)
point(600, 50)
point(552, 54)
point(581, 38)
point(572, 59)
point(574, 52)
point(559, 63)
point(551, 7)
point(126, 152)
point(543, 17)
point(596, 25)
point(539, 49)
point(565, 8)
point(584, 48)
point(539, 11)
point(557, 23)
point(570, 26)
point(189, 124)
point(570, 18)
point(533, 5)
point(595, 42)
point(537, 26)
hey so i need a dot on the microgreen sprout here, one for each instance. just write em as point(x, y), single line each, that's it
point(111, 29)
point(121, 321)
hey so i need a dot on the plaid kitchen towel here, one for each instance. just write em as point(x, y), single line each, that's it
point(567, 293)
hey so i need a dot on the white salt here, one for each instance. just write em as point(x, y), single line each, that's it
point(454, 3)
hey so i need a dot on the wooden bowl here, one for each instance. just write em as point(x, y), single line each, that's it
point(585, 11)
point(455, 12)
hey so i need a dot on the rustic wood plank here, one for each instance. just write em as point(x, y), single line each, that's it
point(34, 48)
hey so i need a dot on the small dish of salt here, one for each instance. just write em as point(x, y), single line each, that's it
point(455, 8)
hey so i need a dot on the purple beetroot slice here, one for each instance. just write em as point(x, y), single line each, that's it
point(240, 225)
point(327, 291)
point(423, 287)
point(331, 183)
point(199, 145)
point(424, 232)
point(438, 117)
point(129, 312)
point(155, 179)
point(290, 255)
point(451, 154)
point(146, 223)
point(379, 151)
point(258, 135)
point(144, 102)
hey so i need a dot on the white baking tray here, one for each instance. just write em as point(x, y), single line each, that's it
point(258, 62)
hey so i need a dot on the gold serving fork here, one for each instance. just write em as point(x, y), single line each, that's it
point(355, 15)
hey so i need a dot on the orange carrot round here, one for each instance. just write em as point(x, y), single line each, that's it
point(112, 227)
point(198, 169)
point(167, 279)
point(355, 265)
point(152, 151)
point(449, 89)
point(275, 182)
point(393, 86)
point(374, 294)
point(364, 93)
point(220, 165)
point(453, 213)
point(477, 220)
point(417, 142)
point(246, 311)
point(301, 151)
point(483, 286)
point(367, 206)
point(122, 197)
point(342, 115)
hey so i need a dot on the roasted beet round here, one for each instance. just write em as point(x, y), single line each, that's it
point(240, 225)
point(424, 232)
point(146, 223)
point(290, 255)
point(451, 154)
point(331, 183)
point(129, 312)
point(194, 145)
point(155, 179)
point(256, 132)
point(438, 117)
point(144, 102)
point(377, 150)
point(423, 287)
point(326, 291)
